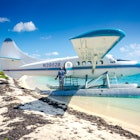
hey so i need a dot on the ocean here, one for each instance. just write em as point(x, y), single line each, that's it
point(125, 109)
point(44, 80)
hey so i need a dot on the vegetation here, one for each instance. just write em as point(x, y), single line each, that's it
point(2, 75)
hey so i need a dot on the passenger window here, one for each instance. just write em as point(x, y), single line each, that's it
point(83, 63)
point(89, 62)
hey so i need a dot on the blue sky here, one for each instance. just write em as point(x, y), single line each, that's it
point(42, 28)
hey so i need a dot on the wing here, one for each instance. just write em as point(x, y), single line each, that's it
point(96, 44)
point(93, 46)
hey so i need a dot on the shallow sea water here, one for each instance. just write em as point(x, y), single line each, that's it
point(126, 109)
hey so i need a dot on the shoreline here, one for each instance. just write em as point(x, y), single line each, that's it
point(108, 118)
point(125, 125)
point(29, 83)
point(26, 114)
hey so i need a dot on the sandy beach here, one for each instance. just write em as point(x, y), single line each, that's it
point(27, 115)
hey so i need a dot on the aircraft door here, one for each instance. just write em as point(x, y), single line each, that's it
point(69, 68)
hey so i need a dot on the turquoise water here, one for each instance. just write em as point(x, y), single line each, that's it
point(121, 108)
point(130, 79)
point(44, 80)
point(50, 80)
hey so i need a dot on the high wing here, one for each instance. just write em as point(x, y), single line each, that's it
point(93, 46)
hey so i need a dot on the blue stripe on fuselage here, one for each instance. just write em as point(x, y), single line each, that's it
point(79, 67)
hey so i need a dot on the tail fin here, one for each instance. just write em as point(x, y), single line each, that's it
point(11, 57)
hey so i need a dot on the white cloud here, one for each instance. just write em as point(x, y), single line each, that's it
point(46, 37)
point(123, 49)
point(36, 55)
point(24, 26)
point(135, 46)
point(131, 51)
point(52, 53)
point(4, 19)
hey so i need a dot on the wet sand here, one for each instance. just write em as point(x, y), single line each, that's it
point(25, 114)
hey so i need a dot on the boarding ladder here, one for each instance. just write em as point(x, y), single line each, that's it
point(71, 81)
point(107, 80)
point(113, 78)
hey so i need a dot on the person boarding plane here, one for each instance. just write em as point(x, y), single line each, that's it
point(92, 59)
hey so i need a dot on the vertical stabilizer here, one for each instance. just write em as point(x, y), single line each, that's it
point(11, 57)
point(10, 50)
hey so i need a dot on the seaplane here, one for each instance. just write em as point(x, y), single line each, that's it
point(93, 60)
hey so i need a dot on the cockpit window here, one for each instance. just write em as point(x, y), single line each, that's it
point(101, 62)
point(112, 59)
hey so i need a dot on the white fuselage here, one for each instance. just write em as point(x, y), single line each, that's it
point(90, 47)
point(77, 68)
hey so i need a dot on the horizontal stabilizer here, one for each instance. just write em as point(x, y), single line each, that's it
point(10, 58)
